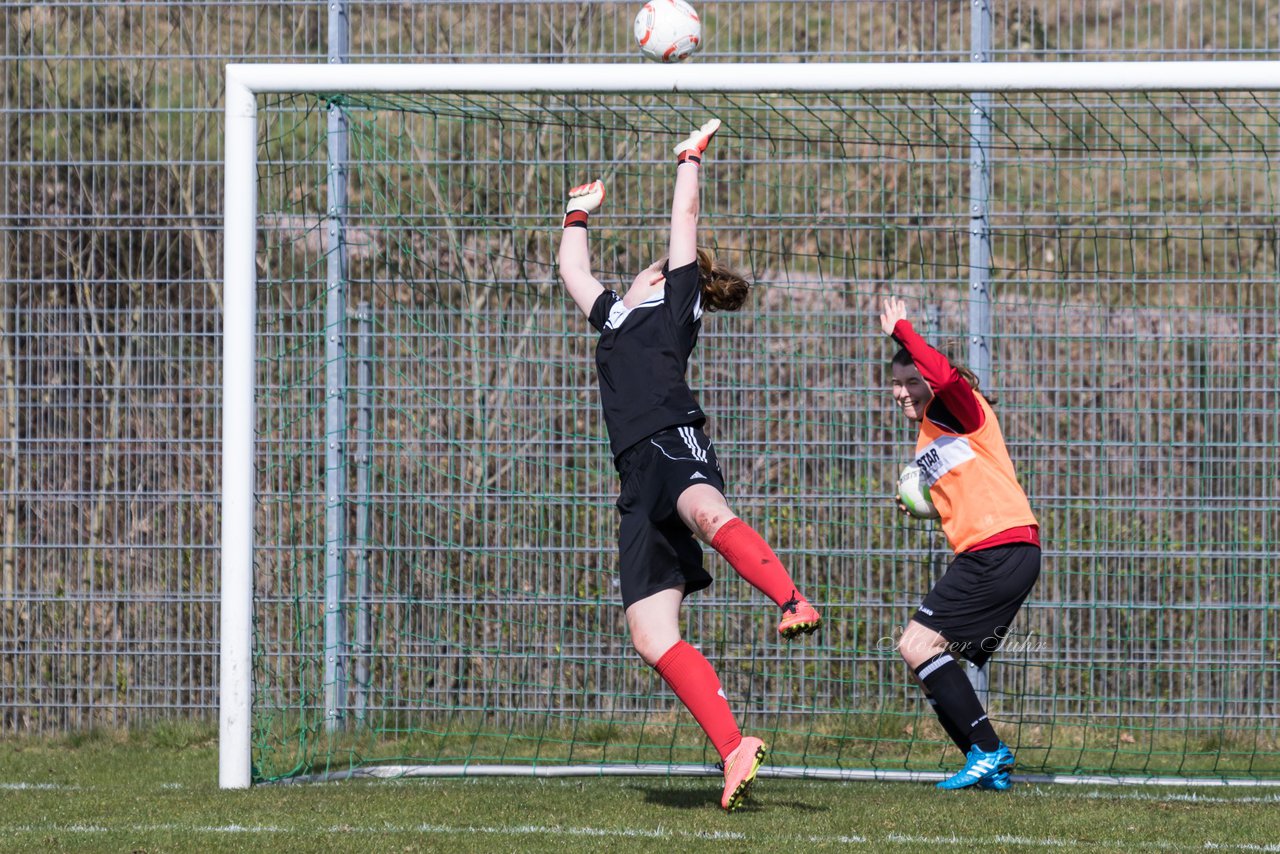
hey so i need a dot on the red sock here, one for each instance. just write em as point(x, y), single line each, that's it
point(751, 556)
point(691, 676)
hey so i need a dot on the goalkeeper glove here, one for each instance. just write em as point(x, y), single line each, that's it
point(583, 200)
point(692, 147)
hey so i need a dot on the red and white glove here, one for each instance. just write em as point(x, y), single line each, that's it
point(583, 200)
point(697, 142)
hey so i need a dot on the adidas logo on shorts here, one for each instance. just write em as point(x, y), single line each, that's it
point(697, 475)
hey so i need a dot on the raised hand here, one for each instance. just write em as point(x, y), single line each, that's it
point(894, 310)
point(583, 199)
point(586, 197)
point(697, 142)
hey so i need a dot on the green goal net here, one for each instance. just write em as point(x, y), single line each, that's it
point(434, 572)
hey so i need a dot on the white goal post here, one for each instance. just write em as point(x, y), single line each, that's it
point(245, 83)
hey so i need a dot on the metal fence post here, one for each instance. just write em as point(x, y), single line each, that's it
point(335, 416)
point(361, 647)
point(980, 233)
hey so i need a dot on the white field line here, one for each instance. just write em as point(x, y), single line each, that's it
point(498, 830)
point(41, 787)
point(968, 843)
point(1152, 797)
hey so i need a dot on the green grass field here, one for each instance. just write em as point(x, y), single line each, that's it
point(158, 791)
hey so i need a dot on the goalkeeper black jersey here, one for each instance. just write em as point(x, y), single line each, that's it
point(642, 356)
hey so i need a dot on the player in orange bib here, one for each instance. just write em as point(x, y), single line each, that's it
point(990, 526)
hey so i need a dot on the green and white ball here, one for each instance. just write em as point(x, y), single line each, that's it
point(913, 492)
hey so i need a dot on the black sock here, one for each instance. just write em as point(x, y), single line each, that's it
point(961, 740)
point(954, 694)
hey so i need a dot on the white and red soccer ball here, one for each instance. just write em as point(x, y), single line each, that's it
point(668, 30)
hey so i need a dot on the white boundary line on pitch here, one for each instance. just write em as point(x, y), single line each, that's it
point(498, 830)
point(966, 842)
point(42, 787)
point(1154, 797)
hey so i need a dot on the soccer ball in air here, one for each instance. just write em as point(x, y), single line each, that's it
point(668, 30)
point(913, 492)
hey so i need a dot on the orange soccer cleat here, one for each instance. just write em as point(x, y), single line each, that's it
point(740, 772)
point(798, 618)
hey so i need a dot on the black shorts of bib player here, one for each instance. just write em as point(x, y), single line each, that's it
point(974, 602)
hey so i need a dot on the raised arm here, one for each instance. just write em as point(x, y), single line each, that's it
point(575, 254)
point(951, 388)
point(683, 248)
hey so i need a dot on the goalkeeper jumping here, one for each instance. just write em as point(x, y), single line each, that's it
point(671, 486)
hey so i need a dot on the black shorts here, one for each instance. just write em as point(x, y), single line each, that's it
point(975, 600)
point(657, 551)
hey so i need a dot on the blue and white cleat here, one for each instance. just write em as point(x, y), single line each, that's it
point(981, 767)
point(999, 783)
